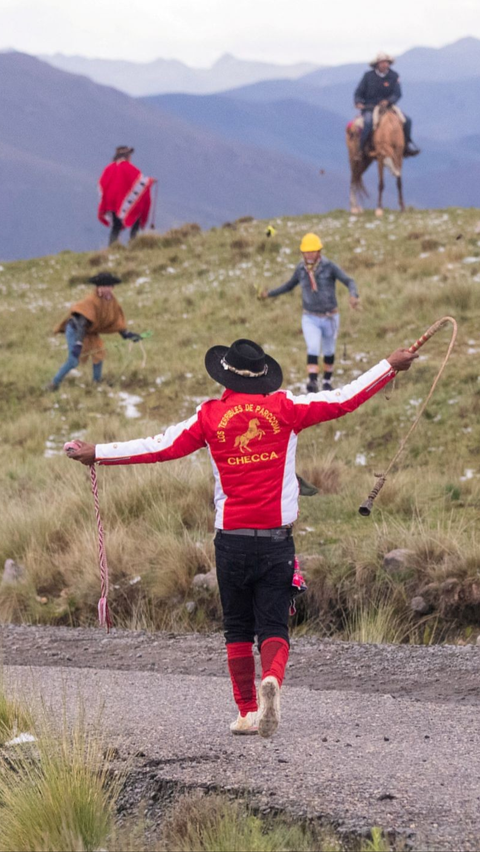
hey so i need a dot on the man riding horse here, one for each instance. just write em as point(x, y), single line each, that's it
point(381, 87)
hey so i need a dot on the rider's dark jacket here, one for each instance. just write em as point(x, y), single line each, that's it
point(373, 88)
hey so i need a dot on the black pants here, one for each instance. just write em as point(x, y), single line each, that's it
point(117, 228)
point(255, 582)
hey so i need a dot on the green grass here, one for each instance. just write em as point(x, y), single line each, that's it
point(58, 796)
point(378, 843)
point(194, 289)
point(376, 622)
point(199, 822)
point(14, 719)
point(214, 824)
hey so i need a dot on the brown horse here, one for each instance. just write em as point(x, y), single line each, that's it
point(388, 148)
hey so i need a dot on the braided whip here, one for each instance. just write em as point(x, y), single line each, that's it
point(103, 612)
point(366, 507)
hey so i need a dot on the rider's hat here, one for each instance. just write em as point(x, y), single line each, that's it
point(244, 367)
point(311, 242)
point(104, 279)
point(382, 57)
point(122, 151)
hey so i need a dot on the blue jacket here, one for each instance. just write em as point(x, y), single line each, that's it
point(372, 88)
point(324, 299)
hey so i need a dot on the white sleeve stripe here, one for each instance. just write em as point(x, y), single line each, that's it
point(144, 446)
point(348, 392)
point(174, 432)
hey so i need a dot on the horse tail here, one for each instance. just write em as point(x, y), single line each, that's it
point(357, 167)
point(394, 168)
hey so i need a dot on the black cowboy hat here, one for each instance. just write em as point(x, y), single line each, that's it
point(104, 279)
point(244, 367)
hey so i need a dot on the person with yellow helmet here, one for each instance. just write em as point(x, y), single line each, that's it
point(317, 277)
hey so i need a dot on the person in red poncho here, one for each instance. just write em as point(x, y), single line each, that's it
point(125, 195)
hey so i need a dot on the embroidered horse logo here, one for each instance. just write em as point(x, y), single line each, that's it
point(252, 432)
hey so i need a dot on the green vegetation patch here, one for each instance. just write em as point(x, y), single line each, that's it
point(192, 289)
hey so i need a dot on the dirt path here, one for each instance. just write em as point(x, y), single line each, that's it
point(435, 673)
point(354, 759)
point(368, 736)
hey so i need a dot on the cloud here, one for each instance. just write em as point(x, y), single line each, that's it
point(199, 32)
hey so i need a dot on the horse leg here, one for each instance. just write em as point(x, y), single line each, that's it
point(400, 193)
point(379, 210)
point(354, 205)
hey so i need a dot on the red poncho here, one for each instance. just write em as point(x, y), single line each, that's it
point(125, 192)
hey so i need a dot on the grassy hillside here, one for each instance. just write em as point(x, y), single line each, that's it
point(194, 289)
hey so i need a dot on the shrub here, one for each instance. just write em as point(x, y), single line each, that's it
point(212, 823)
point(60, 798)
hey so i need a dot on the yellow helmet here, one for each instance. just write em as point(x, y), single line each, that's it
point(311, 242)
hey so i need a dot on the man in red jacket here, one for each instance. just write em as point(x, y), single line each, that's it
point(125, 195)
point(251, 434)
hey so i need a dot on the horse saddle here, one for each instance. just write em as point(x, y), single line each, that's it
point(358, 122)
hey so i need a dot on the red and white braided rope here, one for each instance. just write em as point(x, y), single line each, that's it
point(103, 611)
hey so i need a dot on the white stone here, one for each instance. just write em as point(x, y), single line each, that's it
point(419, 605)
point(13, 573)
point(206, 581)
point(22, 738)
point(398, 560)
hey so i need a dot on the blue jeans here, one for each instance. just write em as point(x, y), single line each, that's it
point(71, 361)
point(320, 333)
point(367, 128)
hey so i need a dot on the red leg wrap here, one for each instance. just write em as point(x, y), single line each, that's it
point(241, 665)
point(274, 657)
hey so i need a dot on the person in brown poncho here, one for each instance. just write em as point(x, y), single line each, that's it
point(97, 313)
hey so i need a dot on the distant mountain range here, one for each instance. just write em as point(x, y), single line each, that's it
point(306, 118)
point(270, 148)
point(452, 63)
point(58, 131)
point(170, 75)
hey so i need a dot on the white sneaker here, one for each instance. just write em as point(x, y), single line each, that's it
point(268, 716)
point(245, 724)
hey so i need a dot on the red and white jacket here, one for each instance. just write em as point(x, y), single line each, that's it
point(252, 442)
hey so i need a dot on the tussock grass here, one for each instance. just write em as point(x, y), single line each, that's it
point(378, 842)
point(174, 237)
point(213, 824)
point(325, 474)
point(59, 797)
point(376, 622)
point(197, 289)
point(14, 718)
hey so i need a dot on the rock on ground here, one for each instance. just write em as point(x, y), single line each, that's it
point(13, 573)
point(397, 561)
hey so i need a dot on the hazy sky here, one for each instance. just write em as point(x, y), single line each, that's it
point(199, 31)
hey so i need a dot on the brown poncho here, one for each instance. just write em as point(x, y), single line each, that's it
point(106, 317)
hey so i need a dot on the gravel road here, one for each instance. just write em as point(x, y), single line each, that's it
point(369, 735)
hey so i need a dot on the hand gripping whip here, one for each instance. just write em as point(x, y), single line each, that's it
point(366, 507)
